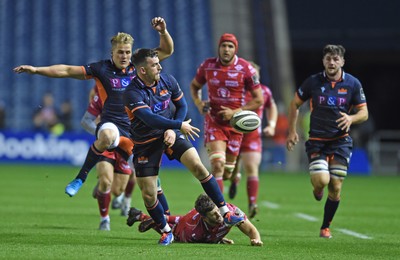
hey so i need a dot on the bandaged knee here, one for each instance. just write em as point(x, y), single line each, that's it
point(230, 166)
point(318, 166)
point(217, 156)
point(114, 129)
point(338, 171)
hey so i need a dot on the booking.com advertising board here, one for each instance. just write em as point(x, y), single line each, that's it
point(42, 148)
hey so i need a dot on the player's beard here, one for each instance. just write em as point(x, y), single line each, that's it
point(332, 72)
point(226, 60)
point(157, 77)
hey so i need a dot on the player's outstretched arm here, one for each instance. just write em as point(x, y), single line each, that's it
point(251, 231)
point(166, 47)
point(53, 71)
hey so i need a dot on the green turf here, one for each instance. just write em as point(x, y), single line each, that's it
point(38, 221)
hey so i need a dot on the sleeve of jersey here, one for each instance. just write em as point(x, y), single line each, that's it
point(179, 100)
point(155, 121)
point(251, 80)
point(200, 74)
point(88, 71)
point(134, 102)
point(359, 96)
point(303, 91)
point(267, 96)
point(88, 122)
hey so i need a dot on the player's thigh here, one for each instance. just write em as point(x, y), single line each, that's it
point(251, 162)
point(148, 187)
point(216, 146)
point(105, 172)
point(119, 183)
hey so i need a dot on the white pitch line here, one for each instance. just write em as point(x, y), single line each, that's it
point(271, 205)
point(306, 217)
point(352, 233)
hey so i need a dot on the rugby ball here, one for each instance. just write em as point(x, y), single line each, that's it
point(245, 121)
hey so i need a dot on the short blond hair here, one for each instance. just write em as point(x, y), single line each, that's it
point(121, 38)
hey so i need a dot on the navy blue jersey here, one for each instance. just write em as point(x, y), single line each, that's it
point(327, 100)
point(111, 83)
point(157, 99)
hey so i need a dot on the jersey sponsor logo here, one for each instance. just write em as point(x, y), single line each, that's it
point(233, 75)
point(362, 95)
point(143, 160)
point(125, 82)
point(163, 92)
point(160, 106)
point(223, 92)
point(342, 91)
point(215, 73)
point(332, 101)
point(120, 83)
point(255, 79)
point(301, 93)
point(214, 82)
point(238, 67)
point(231, 83)
point(322, 89)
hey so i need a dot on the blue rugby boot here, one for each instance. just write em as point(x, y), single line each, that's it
point(73, 187)
point(166, 239)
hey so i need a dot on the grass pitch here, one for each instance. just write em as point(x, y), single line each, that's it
point(39, 221)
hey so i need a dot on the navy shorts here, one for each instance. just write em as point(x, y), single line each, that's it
point(147, 157)
point(340, 149)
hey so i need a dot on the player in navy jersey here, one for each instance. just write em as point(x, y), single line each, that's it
point(112, 77)
point(114, 174)
point(333, 94)
point(202, 224)
point(148, 102)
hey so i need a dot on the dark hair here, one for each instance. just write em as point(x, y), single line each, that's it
point(334, 49)
point(140, 55)
point(204, 204)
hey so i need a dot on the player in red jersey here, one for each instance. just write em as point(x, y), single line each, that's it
point(112, 77)
point(203, 224)
point(228, 77)
point(251, 148)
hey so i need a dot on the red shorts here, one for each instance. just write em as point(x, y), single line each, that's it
point(217, 132)
point(251, 142)
point(119, 163)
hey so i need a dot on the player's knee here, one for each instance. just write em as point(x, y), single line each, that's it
point(338, 171)
point(229, 168)
point(104, 184)
point(217, 159)
point(108, 135)
point(318, 167)
point(199, 170)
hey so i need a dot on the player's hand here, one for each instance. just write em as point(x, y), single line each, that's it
point(189, 130)
point(203, 107)
point(227, 241)
point(344, 122)
point(269, 131)
point(226, 113)
point(159, 24)
point(25, 68)
point(256, 242)
point(291, 141)
point(169, 138)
